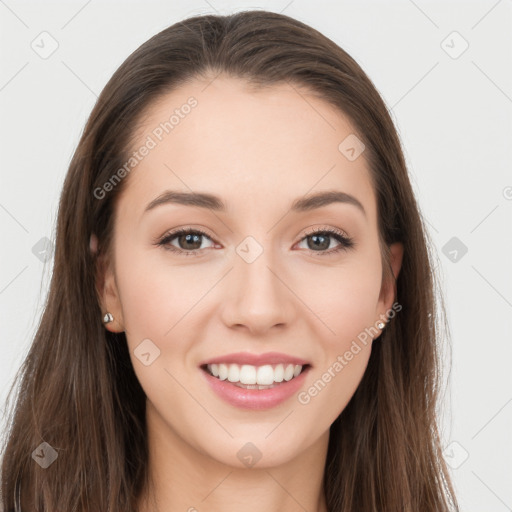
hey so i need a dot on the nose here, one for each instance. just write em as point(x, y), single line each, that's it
point(257, 296)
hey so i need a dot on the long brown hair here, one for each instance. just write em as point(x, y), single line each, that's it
point(77, 390)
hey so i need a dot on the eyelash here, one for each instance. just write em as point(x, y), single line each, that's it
point(345, 241)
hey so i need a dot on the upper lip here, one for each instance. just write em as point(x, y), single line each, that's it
point(256, 359)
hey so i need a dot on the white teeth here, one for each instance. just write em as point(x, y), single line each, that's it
point(265, 375)
point(223, 372)
point(233, 373)
point(279, 373)
point(247, 374)
point(288, 372)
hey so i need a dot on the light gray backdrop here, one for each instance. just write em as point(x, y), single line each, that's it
point(444, 70)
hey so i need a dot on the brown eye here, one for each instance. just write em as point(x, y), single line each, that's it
point(188, 241)
point(320, 240)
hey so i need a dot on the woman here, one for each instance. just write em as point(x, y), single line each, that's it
point(242, 304)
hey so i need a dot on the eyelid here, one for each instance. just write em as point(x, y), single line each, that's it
point(305, 231)
point(323, 229)
point(344, 240)
point(185, 229)
point(173, 233)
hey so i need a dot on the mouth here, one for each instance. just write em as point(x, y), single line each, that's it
point(252, 377)
point(255, 381)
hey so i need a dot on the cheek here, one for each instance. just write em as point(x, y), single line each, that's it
point(347, 308)
point(155, 294)
point(159, 291)
point(155, 299)
point(329, 389)
point(344, 298)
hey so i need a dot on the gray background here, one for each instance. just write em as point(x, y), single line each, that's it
point(453, 112)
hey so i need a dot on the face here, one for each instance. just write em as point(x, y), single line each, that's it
point(264, 281)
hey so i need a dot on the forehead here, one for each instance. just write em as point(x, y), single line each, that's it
point(247, 145)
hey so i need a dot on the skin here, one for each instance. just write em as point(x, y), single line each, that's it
point(258, 151)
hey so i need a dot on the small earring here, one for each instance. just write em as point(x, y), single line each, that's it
point(108, 318)
point(381, 325)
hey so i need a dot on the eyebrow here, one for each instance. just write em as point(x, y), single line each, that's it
point(212, 202)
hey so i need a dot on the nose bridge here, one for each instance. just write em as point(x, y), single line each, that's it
point(257, 298)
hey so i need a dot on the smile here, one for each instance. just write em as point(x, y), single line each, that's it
point(255, 377)
point(252, 387)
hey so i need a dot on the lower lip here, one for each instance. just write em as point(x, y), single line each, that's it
point(255, 399)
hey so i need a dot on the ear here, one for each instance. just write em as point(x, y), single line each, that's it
point(387, 295)
point(106, 289)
